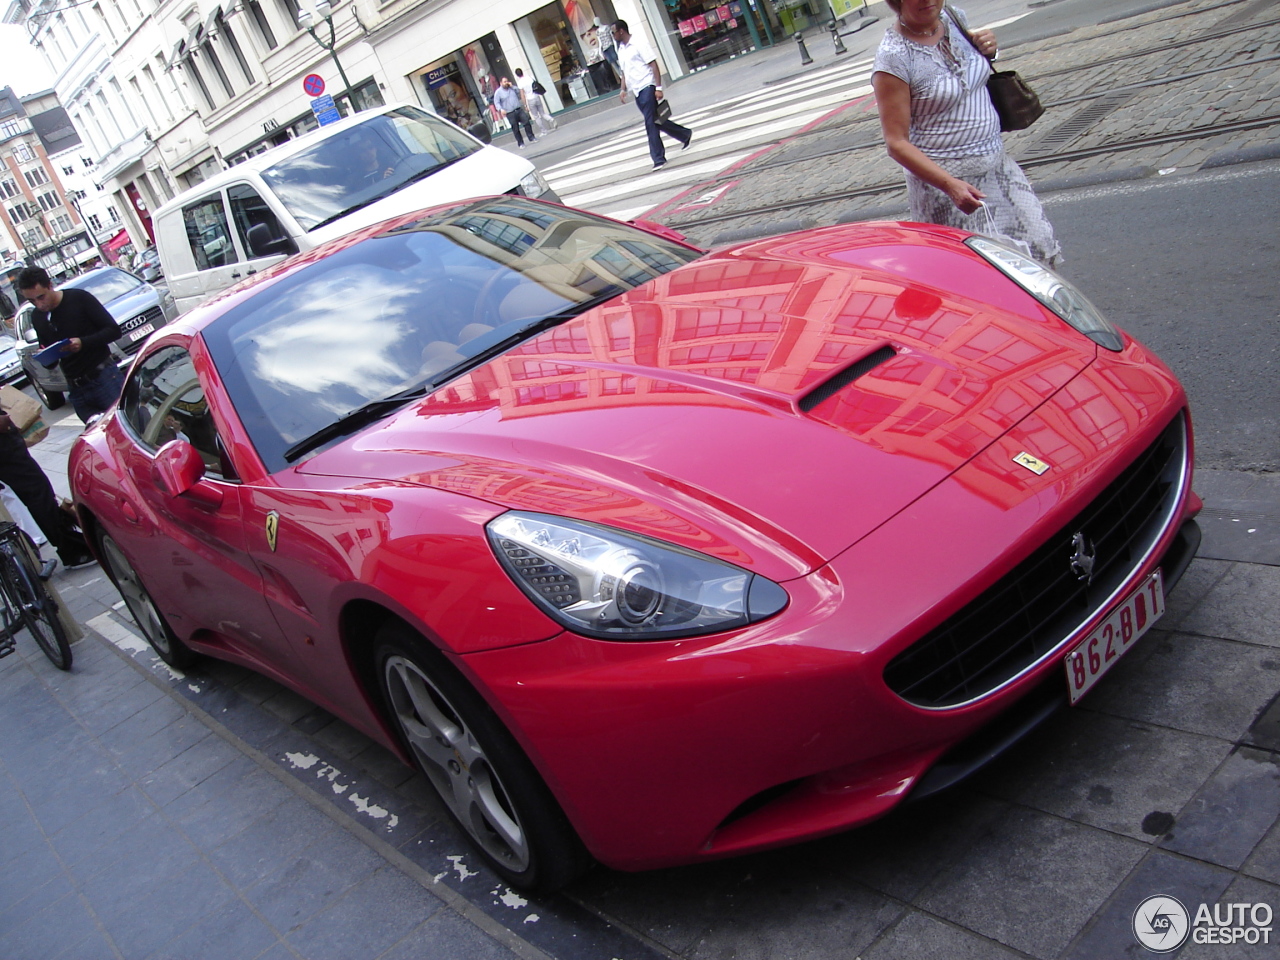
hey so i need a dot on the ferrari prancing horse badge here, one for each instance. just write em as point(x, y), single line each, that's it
point(273, 528)
point(1034, 464)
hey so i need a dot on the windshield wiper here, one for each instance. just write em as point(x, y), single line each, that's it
point(521, 335)
point(354, 420)
point(420, 175)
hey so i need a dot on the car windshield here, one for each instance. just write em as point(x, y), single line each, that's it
point(107, 284)
point(364, 163)
point(416, 305)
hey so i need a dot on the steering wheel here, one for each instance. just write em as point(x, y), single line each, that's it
point(484, 311)
point(151, 432)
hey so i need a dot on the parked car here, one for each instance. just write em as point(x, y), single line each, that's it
point(138, 307)
point(317, 187)
point(10, 363)
point(147, 265)
point(644, 553)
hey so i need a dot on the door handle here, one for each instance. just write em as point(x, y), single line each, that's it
point(130, 513)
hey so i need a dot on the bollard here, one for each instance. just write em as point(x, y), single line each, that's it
point(835, 37)
point(805, 59)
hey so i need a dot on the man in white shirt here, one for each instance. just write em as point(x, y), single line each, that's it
point(640, 75)
point(542, 119)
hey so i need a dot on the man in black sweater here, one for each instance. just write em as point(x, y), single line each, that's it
point(79, 318)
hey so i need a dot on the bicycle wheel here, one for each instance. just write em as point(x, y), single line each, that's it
point(39, 612)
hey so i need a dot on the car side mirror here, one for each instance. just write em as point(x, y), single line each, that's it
point(178, 470)
point(263, 243)
point(480, 130)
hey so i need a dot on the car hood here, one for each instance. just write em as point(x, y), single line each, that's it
point(132, 303)
point(770, 404)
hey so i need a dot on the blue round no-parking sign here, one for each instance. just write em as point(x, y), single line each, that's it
point(313, 84)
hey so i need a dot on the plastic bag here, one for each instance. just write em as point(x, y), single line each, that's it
point(983, 221)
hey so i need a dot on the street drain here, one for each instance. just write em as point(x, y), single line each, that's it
point(1071, 128)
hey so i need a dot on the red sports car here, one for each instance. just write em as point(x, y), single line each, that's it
point(642, 553)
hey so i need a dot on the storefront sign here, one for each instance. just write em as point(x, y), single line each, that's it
point(441, 75)
point(325, 111)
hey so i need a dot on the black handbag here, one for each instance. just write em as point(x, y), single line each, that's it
point(664, 110)
point(537, 88)
point(1016, 103)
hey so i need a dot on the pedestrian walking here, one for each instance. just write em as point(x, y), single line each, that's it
point(533, 92)
point(508, 100)
point(76, 316)
point(938, 122)
point(640, 76)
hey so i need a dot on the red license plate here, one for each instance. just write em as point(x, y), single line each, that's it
point(1097, 653)
point(142, 331)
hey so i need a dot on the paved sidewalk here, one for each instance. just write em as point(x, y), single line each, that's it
point(135, 824)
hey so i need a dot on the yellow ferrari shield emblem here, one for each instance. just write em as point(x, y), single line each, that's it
point(1034, 464)
point(273, 528)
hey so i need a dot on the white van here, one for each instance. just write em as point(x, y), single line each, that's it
point(368, 167)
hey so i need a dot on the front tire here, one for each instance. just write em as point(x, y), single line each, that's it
point(50, 398)
point(143, 609)
point(487, 784)
point(38, 611)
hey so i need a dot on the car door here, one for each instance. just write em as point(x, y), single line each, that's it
point(263, 239)
point(190, 548)
point(212, 261)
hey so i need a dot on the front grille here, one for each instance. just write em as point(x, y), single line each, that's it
point(154, 316)
point(1040, 603)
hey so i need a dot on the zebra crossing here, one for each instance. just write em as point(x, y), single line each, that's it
point(616, 177)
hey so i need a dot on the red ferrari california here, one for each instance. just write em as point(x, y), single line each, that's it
point(645, 554)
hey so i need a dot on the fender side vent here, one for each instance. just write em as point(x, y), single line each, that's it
point(845, 377)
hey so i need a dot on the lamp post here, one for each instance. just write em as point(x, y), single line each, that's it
point(308, 22)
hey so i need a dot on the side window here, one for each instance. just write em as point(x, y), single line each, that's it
point(209, 233)
point(260, 232)
point(163, 401)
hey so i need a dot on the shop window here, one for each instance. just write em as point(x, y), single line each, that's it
point(460, 86)
point(711, 31)
point(565, 38)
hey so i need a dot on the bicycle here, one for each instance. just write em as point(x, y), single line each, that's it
point(26, 602)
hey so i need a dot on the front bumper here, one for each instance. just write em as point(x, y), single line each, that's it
point(673, 752)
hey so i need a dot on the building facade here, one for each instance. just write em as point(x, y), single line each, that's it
point(42, 186)
point(165, 92)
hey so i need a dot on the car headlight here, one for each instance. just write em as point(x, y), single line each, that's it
point(604, 583)
point(534, 185)
point(1053, 291)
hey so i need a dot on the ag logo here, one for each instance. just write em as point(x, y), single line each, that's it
point(1161, 924)
point(273, 528)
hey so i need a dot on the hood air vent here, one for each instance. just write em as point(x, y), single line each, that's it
point(845, 377)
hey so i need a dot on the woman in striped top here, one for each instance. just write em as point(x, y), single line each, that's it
point(938, 122)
